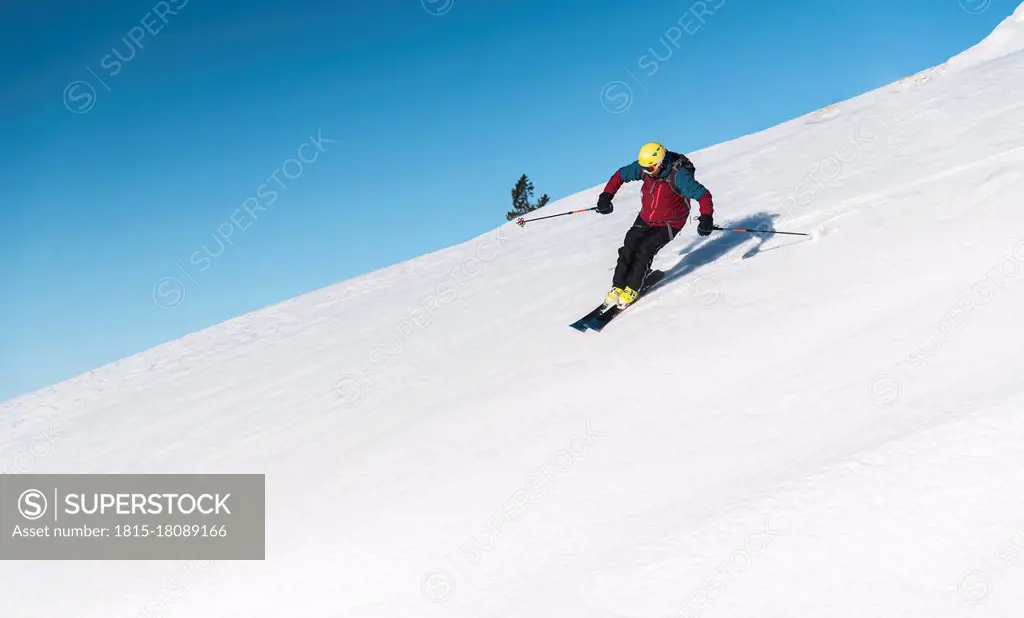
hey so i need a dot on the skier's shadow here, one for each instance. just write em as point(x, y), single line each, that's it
point(701, 253)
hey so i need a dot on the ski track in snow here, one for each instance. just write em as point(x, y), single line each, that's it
point(784, 427)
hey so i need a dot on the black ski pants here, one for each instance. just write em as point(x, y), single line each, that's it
point(641, 244)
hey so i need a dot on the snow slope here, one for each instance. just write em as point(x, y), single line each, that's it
point(788, 427)
point(1006, 39)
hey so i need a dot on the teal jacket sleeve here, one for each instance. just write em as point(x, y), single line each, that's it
point(629, 173)
point(689, 186)
point(632, 172)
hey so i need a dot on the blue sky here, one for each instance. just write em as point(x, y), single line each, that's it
point(133, 131)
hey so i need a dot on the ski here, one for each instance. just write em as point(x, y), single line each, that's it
point(653, 278)
point(602, 320)
point(583, 323)
point(603, 314)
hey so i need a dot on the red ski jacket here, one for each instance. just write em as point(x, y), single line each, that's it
point(661, 204)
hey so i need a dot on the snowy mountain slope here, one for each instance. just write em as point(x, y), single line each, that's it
point(1006, 39)
point(824, 427)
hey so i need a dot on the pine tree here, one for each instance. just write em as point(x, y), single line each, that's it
point(522, 193)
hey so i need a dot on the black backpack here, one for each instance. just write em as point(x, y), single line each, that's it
point(680, 162)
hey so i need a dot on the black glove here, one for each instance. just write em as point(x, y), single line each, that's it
point(604, 204)
point(706, 225)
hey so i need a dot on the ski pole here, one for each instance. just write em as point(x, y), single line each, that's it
point(749, 231)
point(522, 222)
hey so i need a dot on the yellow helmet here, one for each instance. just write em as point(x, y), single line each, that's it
point(650, 157)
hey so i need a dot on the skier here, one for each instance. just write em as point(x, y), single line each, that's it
point(669, 185)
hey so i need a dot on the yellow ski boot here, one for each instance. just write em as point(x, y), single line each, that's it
point(613, 297)
point(626, 297)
